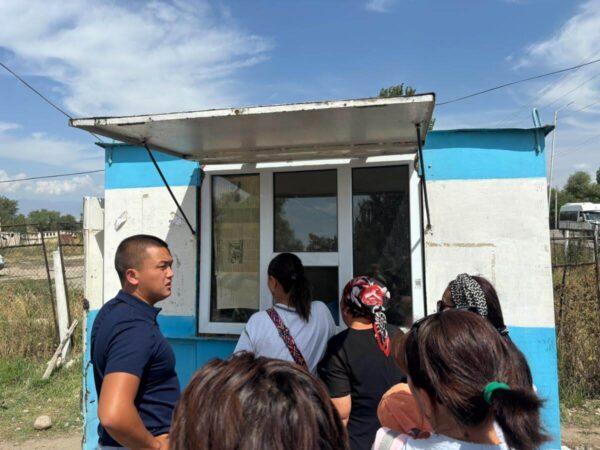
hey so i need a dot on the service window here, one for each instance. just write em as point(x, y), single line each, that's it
point(342, 221)
point(381, 234)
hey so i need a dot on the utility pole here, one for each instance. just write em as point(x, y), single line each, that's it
point(552, 157)
point(556, 209)
point(552, 151)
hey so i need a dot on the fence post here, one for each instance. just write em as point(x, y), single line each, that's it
point(64, 274)
point(49, 285)
point(64, 320)
point(597, 265)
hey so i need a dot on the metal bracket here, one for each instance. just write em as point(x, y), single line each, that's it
point(169, 188)
point(421, 171)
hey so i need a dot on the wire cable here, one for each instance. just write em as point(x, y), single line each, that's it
point(60, 110)
point(16, 180)
point(541, 93)
point(512, 83)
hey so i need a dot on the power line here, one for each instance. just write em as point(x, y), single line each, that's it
point(16, 180)
point(495, 88)
point(579, 146)
point(542, 92)
point(579, 86)
point(60, 110)
point(587, 106)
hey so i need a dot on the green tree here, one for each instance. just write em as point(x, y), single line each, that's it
point(400, 90)
point(8, 210)
point(578, 186)
point(46, 219)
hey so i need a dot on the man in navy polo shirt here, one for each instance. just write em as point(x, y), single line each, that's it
point(134, 365)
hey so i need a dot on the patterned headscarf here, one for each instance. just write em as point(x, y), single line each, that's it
point(367, 297)
point(467, 293)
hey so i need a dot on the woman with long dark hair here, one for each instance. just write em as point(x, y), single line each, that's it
point(460, 372)
point(477, 294)
point(469, 292)
point(358, 366)
point(296, 328)
point(248, 403)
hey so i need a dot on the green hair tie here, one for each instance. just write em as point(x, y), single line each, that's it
point(490, 388)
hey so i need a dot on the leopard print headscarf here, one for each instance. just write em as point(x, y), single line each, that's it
point(467, 294)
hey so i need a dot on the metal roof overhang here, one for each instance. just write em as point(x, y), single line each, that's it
point(303, 131)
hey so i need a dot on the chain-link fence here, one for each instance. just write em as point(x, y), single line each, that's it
point(28, 321)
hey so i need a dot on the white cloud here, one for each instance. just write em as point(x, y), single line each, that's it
point(6, 126)
point(581, 166)
point(51, 150)
point(114, 57)
point(7, 188)
point(77, 185)
point(577, 40)
point(379, 6)
point(60, 187)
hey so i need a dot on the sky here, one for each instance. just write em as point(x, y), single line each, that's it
point(117, 58)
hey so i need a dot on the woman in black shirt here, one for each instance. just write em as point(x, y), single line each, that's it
point(357, 367)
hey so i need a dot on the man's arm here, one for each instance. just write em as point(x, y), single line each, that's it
point(343, 406)
point(119, 416)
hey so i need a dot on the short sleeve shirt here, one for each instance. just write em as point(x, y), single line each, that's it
point(261, 336)
point(355, 365)
point(126, 338)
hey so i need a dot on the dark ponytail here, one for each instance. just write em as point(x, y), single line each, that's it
point(288, 270)
point(517, 413)
point(455, 356)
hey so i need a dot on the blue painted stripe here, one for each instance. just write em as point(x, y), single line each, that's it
point(90, 398)
point(484, 154)
point(128, 166)
point(539, 347)
point(192, 352)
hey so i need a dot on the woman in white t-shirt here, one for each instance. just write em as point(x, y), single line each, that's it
point(457, 366)
point(296, 328)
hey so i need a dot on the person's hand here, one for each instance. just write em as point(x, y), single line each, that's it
point(163, 441)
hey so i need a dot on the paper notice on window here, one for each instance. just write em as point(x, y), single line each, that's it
point(237, 265)
point(237, 290)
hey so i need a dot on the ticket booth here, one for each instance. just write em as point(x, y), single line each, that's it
point(352, 187)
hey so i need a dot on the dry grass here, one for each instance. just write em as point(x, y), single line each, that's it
point(578, 335)
point(27, 326)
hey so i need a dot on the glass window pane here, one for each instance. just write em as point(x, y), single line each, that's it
point(306, 211)
point(381, 234)
point(235, 249)
point(324, 282)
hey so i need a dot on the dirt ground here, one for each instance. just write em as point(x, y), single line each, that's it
point(57, 443)
point(581, 438)
point(573, 437)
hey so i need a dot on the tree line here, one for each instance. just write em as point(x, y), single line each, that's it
point(44, 219)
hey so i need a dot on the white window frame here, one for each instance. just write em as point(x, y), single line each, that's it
point(343, 258)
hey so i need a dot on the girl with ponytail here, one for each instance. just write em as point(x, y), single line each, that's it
point(358, 366)
point(296, 328)
point(460, 370)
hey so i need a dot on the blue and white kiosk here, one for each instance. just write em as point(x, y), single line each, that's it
point(352, 187)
